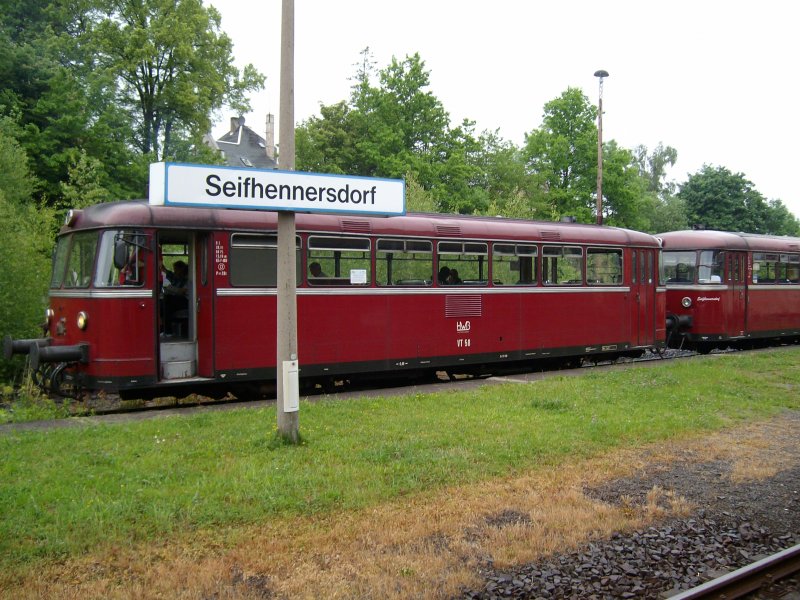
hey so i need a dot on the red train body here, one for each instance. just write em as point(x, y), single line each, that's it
point(524, 291)
point(731, 289)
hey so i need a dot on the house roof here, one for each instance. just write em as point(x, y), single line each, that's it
point(243, 147)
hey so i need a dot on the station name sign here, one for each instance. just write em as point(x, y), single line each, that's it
point(182, 184)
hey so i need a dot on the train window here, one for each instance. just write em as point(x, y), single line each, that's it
point(679, 265)
point(514, 264)
point(712, 266)
point(60, 261)
point(254, 260)
point(562, 265)
point(338, 261)
point(466, 263)
point(132, 273)
point(792, 268)
point(765, 267)
point(604, 266)
point(404, 262)
point(80, 262)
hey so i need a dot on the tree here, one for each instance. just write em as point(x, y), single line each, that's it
point(624, 190)
point(661, 210)
point(716, 198)
point(328, 143)
point(561, 156)
point(653, 167)
point(172, 66)
point(25, 242)
point(397, 129)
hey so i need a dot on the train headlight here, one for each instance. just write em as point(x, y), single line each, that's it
point(686, 302)
point(83, 320)
point(49, 313)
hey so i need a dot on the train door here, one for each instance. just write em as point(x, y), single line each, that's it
point(204, 305)
point(643, 290)
point(177, 296)
point(736, 311)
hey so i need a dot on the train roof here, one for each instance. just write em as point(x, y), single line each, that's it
point(142, 214)
point(723, 240)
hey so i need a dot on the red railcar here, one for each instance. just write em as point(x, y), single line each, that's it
point(380, 300)
point(728, 289)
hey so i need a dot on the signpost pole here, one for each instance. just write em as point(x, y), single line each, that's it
point(287, 365)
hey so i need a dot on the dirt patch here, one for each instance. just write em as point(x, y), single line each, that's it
point(441, 545)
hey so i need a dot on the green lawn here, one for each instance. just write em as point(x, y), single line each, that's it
point(66, 491)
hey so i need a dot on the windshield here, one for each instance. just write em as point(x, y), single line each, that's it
point(679, 266)
point(74, 260)
point(712, 266)
point(60, 261)
point(133, 271)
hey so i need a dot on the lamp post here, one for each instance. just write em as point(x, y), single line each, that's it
point(600, 74)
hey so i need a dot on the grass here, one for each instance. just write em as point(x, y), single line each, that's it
point(64, 492)
point(28, 403)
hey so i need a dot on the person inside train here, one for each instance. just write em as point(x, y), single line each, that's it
point(316, 270)
point(454, 279)
point(177, 280)
point(444, 276)
point(133, 272)
point(682, 274)
point(176, 296)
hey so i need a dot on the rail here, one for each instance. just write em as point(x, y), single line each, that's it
point(747, 579)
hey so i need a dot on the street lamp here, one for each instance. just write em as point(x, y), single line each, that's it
point(600, 74)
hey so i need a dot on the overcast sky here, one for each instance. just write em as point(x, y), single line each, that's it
point(717, 80)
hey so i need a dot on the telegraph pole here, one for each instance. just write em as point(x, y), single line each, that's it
point(287, 368)
point(600, 74)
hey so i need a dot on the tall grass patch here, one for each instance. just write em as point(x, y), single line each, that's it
point(67, 491)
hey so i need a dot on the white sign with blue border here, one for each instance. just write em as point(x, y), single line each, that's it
point(181, 184)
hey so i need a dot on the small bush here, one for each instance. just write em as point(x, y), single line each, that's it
point(28, 403)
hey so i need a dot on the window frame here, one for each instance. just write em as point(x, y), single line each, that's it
point(346, 244)
point(402, 246)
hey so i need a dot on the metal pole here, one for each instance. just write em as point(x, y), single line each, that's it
point(288, 421)
point(600, 74)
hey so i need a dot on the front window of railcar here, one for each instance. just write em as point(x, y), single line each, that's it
point(80, 260)
point(679, 266)
point(712, 266)
point(60, 261)
point(128, 272)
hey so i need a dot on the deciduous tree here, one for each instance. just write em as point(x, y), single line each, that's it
point(716, 198)
point(173, 67)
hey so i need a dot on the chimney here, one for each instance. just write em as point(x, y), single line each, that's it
point(270, 137)
point(235, 122)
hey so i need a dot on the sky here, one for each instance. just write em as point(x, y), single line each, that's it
point(714, 79)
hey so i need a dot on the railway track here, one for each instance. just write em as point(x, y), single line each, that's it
point(183, 396)
point(745, 582)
